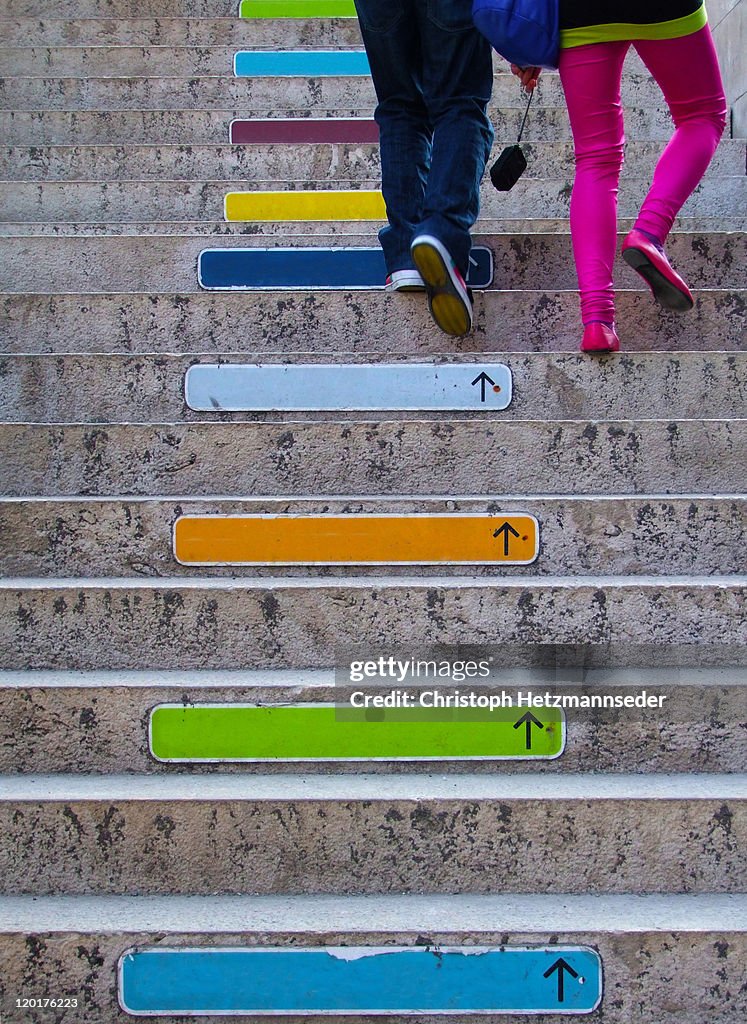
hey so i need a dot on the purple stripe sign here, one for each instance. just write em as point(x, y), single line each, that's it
point(304, 130)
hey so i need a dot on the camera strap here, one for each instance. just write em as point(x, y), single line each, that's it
point(524, 120)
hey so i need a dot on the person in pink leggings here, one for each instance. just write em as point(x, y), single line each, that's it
point(674, 42)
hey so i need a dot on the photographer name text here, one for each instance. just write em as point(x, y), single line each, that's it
point(504, 699)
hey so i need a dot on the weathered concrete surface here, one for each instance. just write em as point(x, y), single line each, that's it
point(134, 125)
point(729, 27)
point(693, 946)
point(242, 163)
point(206, 78)
point(425, 457)
point(685, 971)
point(115, 61)
point(210, 30)
point(428, 834)
point(739, 117)
point(133, 537)
point(223, 323)
point(307, 162)
point(150, 388)
point(185, 79)
point(314, 232)
point(120, 8)
point(690, 976)
point(98, 722)
point(49, 30)
point(49, 265)
point(198, 200)
point(283, 623)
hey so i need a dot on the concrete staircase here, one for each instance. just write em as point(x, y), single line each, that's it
point(113, 169)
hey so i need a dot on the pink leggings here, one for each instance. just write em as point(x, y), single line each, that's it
point(687, 72)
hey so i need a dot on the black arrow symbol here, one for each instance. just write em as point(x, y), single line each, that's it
point(560, 965)
point(529, 720)
point(482, 380)
point(505, 530)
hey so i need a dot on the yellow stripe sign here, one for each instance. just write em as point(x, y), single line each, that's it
point(301, 206)
point(376, 539)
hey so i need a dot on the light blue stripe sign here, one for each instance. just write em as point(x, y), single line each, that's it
point(300, 63)
point(236, 387)
point(353, 979)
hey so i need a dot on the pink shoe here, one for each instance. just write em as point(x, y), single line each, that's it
point(650, 260)
point(599, 338)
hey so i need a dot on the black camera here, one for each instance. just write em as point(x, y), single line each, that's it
point(508, 168)
point(512, 163)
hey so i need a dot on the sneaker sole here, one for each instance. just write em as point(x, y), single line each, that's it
point(667, 294)
point(391, 289)
point(446, 305)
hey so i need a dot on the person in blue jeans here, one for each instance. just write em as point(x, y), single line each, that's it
point(433, 76)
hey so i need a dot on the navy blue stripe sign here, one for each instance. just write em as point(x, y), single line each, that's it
point(381, 980)
point(312, 268)
point(301, 63)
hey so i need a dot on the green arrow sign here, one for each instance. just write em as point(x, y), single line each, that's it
point(330, 732)
point(296, 9)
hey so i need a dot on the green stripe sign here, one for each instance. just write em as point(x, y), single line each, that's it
point(335, 732)
point(297, 9)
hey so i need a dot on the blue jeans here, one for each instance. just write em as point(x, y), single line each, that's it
point(433, 75)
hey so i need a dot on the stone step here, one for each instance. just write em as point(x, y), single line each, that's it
point(321, 232)
point(649, 534)
point(209, 31)
point(283, 622)
point(41, 126)
point(135, 264)
point(133, 201)
point(150, 387)
point(176, 48)
point(219, 92)
point(98, 721)
point(187, 77)
point(296, 162)
point(221, 323)
point(121, 9)
point(369, 457)
point(694, 945)
point(121, 60)
point(211, 834)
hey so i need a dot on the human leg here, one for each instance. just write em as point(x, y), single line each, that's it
point(457, 80)
point(687, 71)
point(392, 40)
point(591, 76)
point(688, 74)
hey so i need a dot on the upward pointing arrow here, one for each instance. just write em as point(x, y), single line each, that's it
point(529, 720)
point(482, 379)
point(561, 965)
point(505, 530)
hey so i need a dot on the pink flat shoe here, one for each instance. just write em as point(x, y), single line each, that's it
point(599, 338)
point(650, 261)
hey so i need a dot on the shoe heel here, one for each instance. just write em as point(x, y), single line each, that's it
point(667, 288)
point(634, 258)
